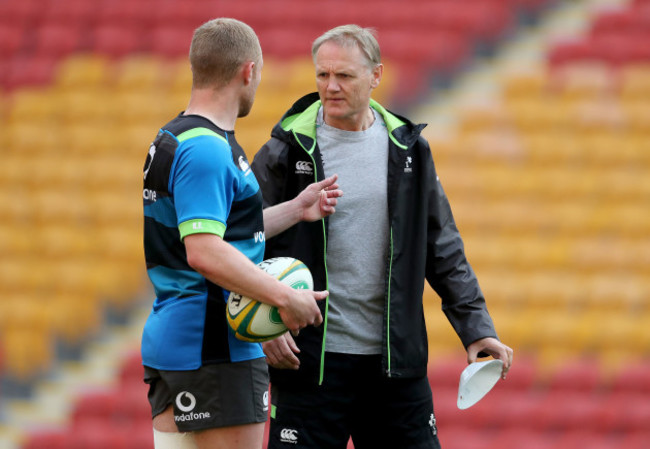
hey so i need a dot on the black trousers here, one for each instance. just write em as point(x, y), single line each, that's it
point(356, 400)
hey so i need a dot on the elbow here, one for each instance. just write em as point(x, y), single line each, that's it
point(197, 259)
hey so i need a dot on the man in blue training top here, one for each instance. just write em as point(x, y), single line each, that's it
point(204, 233)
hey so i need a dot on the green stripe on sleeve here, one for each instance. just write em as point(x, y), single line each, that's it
point(200, 226)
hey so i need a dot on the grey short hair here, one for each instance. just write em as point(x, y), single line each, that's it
point(349, 35)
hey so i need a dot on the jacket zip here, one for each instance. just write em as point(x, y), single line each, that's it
point(390, 276)
point(321, 374)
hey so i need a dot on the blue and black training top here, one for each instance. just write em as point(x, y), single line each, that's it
point(196, 180)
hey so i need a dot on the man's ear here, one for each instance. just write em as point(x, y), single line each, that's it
point(377, 72)
point(247, 71)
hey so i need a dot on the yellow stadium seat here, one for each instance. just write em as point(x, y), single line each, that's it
point(92, 105)
point(28, 353)
point(30, 105)
point(83, 70)
point(578, 81)
point(27, 334)
point(35, 138)
point(139, 72)
point(529, 83)
point(78, 314)
point(635, 82)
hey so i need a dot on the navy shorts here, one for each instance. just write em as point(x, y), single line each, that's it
point(357, 401)
point(221, 395)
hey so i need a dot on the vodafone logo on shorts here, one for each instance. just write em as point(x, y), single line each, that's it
point(185, 402)
point(289, 436)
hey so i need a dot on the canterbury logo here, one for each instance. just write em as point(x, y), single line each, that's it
point(289, 436)
point(304, 167)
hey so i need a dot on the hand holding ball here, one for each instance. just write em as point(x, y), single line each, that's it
point(256, 321)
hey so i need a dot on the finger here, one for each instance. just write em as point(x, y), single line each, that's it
point(292, 344)
point(319, 296)
point(472, 354)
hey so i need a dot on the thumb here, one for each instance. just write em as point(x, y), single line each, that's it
point(327, 182)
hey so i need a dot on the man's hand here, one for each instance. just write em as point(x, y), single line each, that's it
point(301, 310)
point(281, 352)
point(493, 347)
point(318, 200)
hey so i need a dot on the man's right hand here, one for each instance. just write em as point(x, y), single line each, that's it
point(301, 310)
point(281, 352)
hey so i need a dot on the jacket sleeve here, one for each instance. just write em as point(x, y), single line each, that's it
point(447, 269)
point(270, 168)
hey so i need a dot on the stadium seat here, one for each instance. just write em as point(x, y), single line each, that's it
point(170, 42)
point(578, 375)
point(74, 14)
point(58, 39)
point(11, 40)
point(28, 71)
point(82, 71)
point(624, 412)
point(522, 438)
point(94, 406)
point(116, 41)
point(98, 435)
point(563, 410)
point(586, 438)
point(41, 439)
point(633, 377)
point(23, 13)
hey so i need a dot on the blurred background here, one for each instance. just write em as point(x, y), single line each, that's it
point(539, 124)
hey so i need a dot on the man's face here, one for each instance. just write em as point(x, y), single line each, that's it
point(344, 83)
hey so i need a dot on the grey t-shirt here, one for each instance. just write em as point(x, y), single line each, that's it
point(357, 244)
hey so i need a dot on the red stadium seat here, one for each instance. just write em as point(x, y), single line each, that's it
point(24, 13)
point(581, 375)
point(131, 405)
point(97, 435)
point(634, 377)
point(94, 406)
point(571, 51)
point(170, 42)
point(444, 373)
point(116, 41)
point(42, 439)
point(29, 71)
point(625, 412)
point(58, 40)
point(512, 410)
point(12, 39)
point(566, 410)
point(74, 13)
point(587, 439)
point(522, 438)
point(131, 371)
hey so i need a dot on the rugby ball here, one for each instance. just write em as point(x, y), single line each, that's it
point(255, 321)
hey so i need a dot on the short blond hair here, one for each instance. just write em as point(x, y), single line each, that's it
point(350, 35)
point(219, 48)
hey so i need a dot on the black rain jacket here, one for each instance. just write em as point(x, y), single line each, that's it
point(424, 242)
